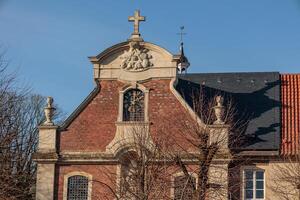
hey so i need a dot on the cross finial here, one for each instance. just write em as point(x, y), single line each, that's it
point(136, 23)
point(181, 33)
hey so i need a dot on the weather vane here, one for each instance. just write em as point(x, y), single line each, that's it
point(181, 33)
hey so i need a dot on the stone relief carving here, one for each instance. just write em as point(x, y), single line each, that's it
point(136, 58)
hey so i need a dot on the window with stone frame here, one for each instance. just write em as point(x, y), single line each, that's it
point(184, 187)
point(133, 105)
point(77, 188)
point(254, 188)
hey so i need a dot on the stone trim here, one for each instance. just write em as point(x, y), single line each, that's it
point(47, 127)
point(107, 157)
point(184, 103)
point(45, 155)
point(172, 191)
point(124, 45)
point(118, 180)
point(127, 87)
point(125, 137)
point(258, 153)
point(80, 173)
point(163, 64)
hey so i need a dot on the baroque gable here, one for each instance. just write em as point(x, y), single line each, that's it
point(134, 61)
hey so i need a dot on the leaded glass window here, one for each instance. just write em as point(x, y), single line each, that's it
point(184, 187)
point(78, 188)
point(133, 105)
point(254, 184)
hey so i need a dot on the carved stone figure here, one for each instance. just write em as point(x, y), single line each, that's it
point(136, 58)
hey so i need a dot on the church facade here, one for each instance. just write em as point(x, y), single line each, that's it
point(150, 131)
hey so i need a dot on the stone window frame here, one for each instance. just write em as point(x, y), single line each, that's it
point(194, 175)
point(77, 173)
point(121, 101)
point(242, 175)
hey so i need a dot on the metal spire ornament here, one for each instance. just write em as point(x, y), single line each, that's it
point(183, 62)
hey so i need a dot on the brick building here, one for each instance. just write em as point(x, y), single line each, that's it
point(141, 94)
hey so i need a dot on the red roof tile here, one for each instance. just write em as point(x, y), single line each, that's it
point(290, 113)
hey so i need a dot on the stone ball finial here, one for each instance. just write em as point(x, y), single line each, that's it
point(49, 111)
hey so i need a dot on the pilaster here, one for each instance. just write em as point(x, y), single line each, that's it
point(46, 158)
point(46, 155)
point(45, 181)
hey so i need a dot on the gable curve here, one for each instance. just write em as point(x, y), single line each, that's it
point(134, 61)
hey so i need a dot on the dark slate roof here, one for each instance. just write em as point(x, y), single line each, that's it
point(256, 95)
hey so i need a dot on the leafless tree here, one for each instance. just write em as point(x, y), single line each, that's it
point(149, 163)
point(20, 112)
point(143, 172)
point(286, 173)
point(205, 138)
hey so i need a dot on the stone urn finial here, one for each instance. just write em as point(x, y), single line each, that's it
point(49, 111)
point(219, 110)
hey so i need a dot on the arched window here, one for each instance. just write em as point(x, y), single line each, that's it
point(133, 105)
point(184, 187)
point(78, 188)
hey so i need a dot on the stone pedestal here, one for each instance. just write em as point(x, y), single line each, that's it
point(218, 171)
point(219, 134)
point(46, 158)
point(47, 139)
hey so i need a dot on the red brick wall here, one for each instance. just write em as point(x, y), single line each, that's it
point(107, 175)
point(95, 127)
point(100, 174)
point(166, 114)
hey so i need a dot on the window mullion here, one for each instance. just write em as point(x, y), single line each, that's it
point(254, 184)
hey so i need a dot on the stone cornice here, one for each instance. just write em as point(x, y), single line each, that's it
point(192, 158)
point(45, 157)
point(48, 127)
point(258, 153)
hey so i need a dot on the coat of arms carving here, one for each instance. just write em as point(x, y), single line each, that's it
point(136, 58)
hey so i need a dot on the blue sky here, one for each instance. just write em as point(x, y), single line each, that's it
point(48, 42)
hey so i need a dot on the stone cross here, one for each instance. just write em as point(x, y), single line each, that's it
point(136, 21)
